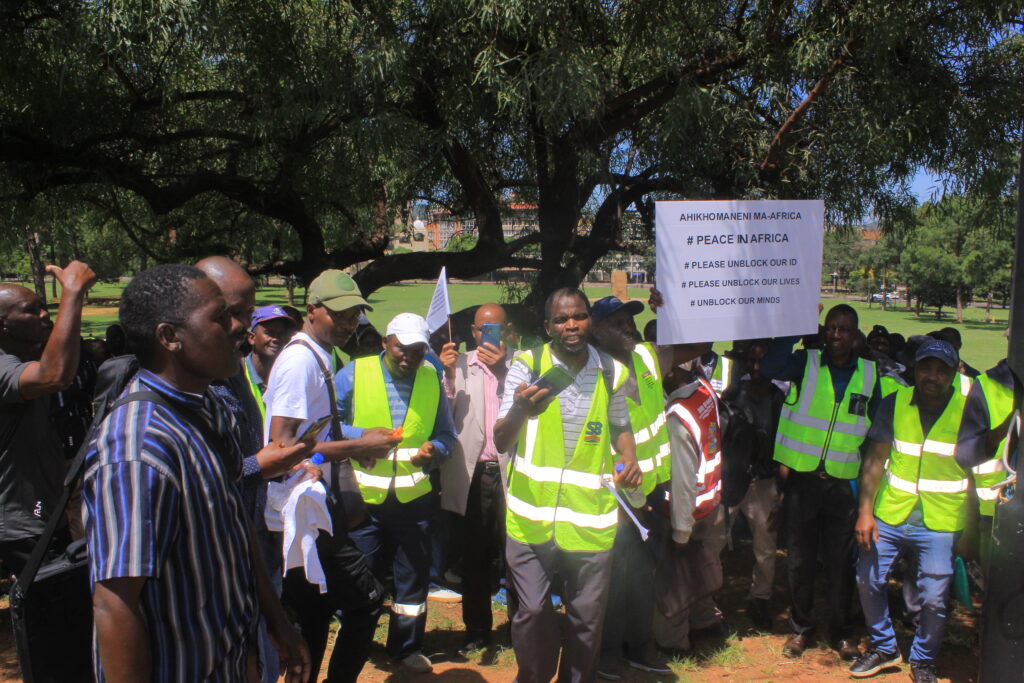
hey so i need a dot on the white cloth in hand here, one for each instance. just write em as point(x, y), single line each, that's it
point(297, 507)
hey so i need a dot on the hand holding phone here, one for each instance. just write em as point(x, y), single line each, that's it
point(556, 380)
point(490, 333)
point(314, 429)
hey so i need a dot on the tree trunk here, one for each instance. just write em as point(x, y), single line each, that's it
point(919, 305)
point(988, 307)
point(33, 242)
point(959, 303)
point(910, 298)
point(885, 293)
point(289, 286)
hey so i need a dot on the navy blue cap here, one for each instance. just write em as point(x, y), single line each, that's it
point(608, 305)
point(935, 348)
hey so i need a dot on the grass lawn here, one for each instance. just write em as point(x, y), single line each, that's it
point(984, 343)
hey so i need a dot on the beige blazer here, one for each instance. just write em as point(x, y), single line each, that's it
point(468, 414)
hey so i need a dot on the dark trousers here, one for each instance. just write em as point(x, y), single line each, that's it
point(537, 636)
point(352, 588)
point(821, 512)
point(484, 529)
point(630, 613)
point(396, 540)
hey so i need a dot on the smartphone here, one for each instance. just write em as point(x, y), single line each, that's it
point(315, 428)
point(490, 333)
point(555, 380)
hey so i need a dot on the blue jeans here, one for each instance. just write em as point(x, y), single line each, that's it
point(934, 552)
point(396, 540)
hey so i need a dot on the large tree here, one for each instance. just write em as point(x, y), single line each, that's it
point(294, 132)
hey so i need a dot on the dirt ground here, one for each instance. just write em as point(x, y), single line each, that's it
point(742, 655)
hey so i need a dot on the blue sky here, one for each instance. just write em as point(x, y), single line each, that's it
point(926, 187)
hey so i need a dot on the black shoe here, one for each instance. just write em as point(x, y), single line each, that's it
point(923, 672)
point(873, 661)
point(760, 614)
point(796, 644)
point(474, 643)
point(847, 649)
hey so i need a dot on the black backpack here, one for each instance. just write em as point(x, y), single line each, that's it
point(739, 442)
point(51, 603)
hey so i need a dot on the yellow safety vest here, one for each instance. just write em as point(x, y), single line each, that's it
point(721, 375)
point(923, 468)
point(888, 385)
point(648, 419)
point(999, 400)
point(254, 389)
point(371, 408)
point(815, 425)
point(552, 497)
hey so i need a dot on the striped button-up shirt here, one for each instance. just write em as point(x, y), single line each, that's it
point(159, 502)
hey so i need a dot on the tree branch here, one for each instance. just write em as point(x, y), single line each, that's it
point(769, 166)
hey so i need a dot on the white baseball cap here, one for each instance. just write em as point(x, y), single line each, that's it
point(409, 328)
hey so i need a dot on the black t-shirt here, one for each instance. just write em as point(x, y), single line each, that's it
point(31, 458)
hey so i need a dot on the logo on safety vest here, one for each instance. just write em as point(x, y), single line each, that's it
point(712, 437)
point(593, 432)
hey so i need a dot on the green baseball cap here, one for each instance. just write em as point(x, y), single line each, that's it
point(336, 291)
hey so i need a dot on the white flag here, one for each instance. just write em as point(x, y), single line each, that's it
point(440, 308)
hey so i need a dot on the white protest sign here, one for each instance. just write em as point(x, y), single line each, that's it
point(738, 269)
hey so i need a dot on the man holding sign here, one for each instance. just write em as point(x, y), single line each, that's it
point(823, 424)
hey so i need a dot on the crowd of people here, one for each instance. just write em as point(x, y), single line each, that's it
point(251, 484)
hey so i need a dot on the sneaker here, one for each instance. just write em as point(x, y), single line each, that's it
point(441, 594)
point(923, 672)
point(873, 661)
point(650, 665)
point(418, 663)
point(609, 671)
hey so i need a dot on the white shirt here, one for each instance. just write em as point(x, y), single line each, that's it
point(296, 388)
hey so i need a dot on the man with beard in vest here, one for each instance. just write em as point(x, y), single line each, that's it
point(562, 517)
point(823, 424)
point(915, 498)
point(692, 568)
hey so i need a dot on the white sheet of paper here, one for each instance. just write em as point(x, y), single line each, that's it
point(732, 270)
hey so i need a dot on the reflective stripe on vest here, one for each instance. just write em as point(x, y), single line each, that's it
point(814, 426)
point(371, 408)
point(647, 417)
point(999, 400)
point(707, 434)
point(550, 497)
point(721, 375)
point(963, 383)
point(921, 469)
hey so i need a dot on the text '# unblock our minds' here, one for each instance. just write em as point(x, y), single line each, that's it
point(738, 269)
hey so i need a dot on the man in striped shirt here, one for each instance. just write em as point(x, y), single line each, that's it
point(176, 578)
